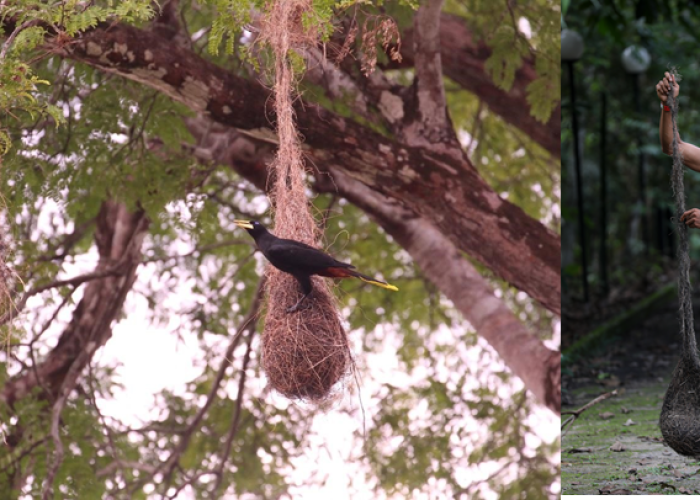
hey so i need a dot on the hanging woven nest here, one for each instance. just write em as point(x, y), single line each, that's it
point(680, 414)
point(306, 353)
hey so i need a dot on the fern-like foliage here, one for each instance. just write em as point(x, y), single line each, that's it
point(26, 24)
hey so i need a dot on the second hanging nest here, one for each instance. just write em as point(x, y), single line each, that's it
point(680, 413)
point(306, 353)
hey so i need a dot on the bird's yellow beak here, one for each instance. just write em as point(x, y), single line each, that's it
point(245, 224)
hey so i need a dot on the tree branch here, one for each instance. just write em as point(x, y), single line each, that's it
point(248, 325)
point(124, 465)
point(430, 95)
point(233, 430)
point(337, 84)
point(463, 61)
point(115, 270)
point(10, 39)
point(66, 388)
point(577, 413)
point(469, 489)
point(119, 236)
point(521, 350)
point(469, 212)
point(67, 242)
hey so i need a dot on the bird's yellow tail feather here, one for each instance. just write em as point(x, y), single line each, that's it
point(379, 283)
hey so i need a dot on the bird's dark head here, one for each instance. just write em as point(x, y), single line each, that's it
point(254, 228)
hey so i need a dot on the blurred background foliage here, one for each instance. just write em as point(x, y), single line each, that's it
point(670, 31)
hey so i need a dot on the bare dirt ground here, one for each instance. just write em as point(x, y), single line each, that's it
point(616, 446)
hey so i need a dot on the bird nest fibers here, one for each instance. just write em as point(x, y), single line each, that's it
point(305, 353)
point(680, 414)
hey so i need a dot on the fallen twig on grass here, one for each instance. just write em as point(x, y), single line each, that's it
point(576, 413)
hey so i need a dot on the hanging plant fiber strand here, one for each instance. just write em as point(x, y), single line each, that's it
point(680, 413)
point(304, 354)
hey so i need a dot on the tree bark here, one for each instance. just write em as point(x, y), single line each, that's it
point(499, 234)
point(525, 354)
point(118, 236)
point(463, 62)
point(394, 181)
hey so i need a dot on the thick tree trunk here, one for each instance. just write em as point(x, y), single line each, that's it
point(499, 234)
point(524, 353)
point(118, 235)
point(394, 181)
point(463, 62)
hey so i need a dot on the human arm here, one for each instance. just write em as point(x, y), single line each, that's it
point(689, 152)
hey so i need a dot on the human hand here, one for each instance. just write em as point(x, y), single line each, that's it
point(664, 86)
point(692, 218)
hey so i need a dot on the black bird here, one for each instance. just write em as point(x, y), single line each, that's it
point(301, 260)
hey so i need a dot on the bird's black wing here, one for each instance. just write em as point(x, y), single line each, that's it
point(290, 256)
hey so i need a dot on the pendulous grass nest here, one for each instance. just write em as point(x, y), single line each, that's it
point(306, 353)
point(680, 414)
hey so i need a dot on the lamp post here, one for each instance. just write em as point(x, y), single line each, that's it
point(636, 60)
point(571, 51)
